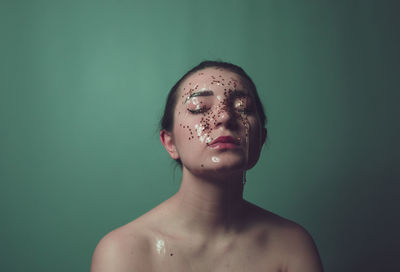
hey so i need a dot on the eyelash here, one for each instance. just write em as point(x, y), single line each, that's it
point(246, 111)
point(201, 110)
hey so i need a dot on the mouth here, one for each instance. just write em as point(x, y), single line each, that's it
point(225, 142)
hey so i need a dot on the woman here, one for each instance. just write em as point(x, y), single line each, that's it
point(213, 126)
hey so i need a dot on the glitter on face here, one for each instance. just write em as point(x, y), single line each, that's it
point(230, 105)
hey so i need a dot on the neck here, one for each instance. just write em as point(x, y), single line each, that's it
point(210, 204)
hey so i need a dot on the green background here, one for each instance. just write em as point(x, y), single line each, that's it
point(83, 85)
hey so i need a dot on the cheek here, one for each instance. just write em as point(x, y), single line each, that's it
point(185, 132)
point(195, 128)
point(256, 139)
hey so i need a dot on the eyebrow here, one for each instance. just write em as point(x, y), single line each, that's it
point(200, 93)
point(239, 93)
point(234, 93)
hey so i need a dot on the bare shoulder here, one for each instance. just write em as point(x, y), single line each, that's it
point(124, 249)
point(290, 241)
point(301, 251)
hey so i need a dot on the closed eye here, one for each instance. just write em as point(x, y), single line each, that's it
point(244, 110)
point(198, 111)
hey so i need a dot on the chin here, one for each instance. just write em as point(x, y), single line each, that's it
point(226, 163)
point(220, 162)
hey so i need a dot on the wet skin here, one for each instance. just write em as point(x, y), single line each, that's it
point(206, 225)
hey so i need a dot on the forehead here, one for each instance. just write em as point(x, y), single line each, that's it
point(212, 78)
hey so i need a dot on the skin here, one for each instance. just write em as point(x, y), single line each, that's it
point(207, 225)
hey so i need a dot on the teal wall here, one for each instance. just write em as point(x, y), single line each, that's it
point(82, 89)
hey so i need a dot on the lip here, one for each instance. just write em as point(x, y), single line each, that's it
point(225, 142)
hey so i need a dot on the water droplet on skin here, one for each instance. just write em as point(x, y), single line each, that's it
point(160, 246)
point(247, 146)
point(244, 178)
point(215, 159)
point(195, 100)
point(238, 104)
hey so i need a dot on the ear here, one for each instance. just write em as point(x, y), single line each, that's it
point(167, 141)
point(264, 135)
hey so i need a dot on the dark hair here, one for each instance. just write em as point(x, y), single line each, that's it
point(167, 119)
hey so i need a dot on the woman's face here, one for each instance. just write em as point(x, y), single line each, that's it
point(216, 125)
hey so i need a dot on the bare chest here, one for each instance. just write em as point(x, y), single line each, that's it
point(234, 257)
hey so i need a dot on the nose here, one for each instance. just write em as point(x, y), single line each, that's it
point(226, 117)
